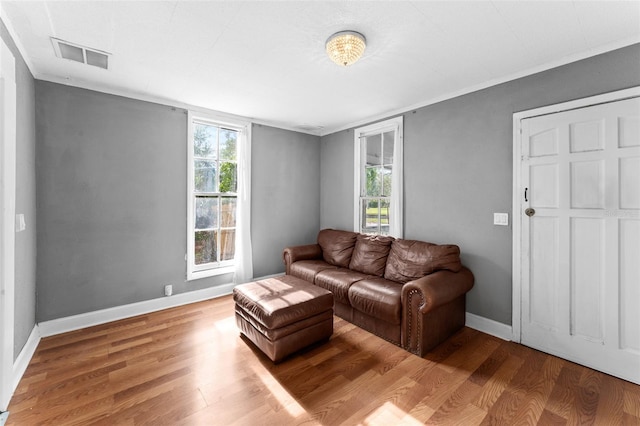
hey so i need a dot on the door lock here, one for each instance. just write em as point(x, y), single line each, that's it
point(530, 212)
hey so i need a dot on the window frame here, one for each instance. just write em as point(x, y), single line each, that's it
point(396, 125)
point(215, 268)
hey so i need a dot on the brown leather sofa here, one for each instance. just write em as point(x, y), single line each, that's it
point(411, 293)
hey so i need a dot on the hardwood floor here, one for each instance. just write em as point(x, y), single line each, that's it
point(189, 366)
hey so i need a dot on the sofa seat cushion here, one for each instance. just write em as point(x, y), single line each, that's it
point(377, 297)
point(409, 260)
point(338, 281)
point(337, 246)
point(308, 269)
point(370, 254)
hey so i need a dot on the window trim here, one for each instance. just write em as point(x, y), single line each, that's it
point(208, 270)
point(393, 124)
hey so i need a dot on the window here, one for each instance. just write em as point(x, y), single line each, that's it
point(213, 197)
point(378, 178)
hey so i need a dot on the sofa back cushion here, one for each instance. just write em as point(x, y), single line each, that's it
point(409, 260)
point(337, 246)
point(370, 254)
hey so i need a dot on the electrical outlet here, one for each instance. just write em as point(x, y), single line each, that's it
point(168, 290)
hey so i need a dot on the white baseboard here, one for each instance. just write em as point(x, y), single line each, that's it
point(22, 361)
point(489, 326)
point(88, 319)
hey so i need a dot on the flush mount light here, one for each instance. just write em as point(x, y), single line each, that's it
point(82, 54)
point(346, 47)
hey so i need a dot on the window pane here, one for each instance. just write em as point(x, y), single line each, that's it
point(206, 212)
point(386, 181)
point(205, 141)
point(228, 139)
point(370, 213)
point(228, 177)
point(374, 150)
point(384, 217)
point(205, 247)
point(373, 181)
point(389, 138)
point(228, 212)
point(227, 244)
point(204, 174)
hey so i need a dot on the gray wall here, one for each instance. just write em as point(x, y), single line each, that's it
point(458, 167)
point(111, 187)
point(112, 190)
point(25, 254)
point(285, 194)
point(336, 180)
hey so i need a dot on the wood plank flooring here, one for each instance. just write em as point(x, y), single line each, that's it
point(189, 366)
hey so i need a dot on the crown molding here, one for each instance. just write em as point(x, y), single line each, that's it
point(489, 83)
point(12, 33)
point(96, 87)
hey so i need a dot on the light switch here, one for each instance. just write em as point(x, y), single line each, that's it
point(20, 224)
point(501, 219)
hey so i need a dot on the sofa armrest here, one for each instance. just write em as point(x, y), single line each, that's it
point(438, 288)
point(296, 253)
point(433, 308)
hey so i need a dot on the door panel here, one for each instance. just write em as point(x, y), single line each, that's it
point(587, 286)
point(544, 186)
point(629, 285)
point(629, 131)
point(630, 183)
point(587, 184)
point(544, 143)
point(544, 277)
point(580, 265)
point(586, 136)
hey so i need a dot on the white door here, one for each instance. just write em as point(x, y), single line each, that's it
point(7, 219)
point(580, 252)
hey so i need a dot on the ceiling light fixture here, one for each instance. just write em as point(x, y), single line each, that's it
point(346, 47)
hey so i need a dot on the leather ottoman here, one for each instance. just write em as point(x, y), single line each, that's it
point(284, 314)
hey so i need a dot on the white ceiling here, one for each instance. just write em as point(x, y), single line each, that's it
point(266, 61)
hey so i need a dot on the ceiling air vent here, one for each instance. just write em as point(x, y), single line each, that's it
point(82, 54)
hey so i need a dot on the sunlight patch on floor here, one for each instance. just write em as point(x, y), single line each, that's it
point(226, 325)
point(389, 414)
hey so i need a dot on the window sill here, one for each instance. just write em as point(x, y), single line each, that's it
point(196, 275)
